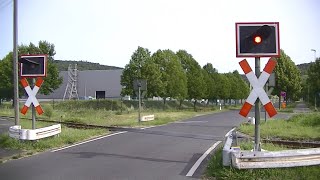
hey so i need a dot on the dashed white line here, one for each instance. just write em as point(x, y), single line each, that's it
point(77, 144)
point(199, 161)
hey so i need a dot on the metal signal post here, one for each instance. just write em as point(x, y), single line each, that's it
point(257, 39)
point(33, 111)
point(139, 96)
point(15, 63)
point(257, 111)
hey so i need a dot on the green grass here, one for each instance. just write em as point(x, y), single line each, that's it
point(6, 110)
point(112, 118)
point(82, 115)
point(298, 127)
point(233, 107)
point(289, 108)
point(67, 136)
point(248, 145)
point(216, 170)
point(76, 113)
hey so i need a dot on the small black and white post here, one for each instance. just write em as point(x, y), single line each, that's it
point(139, 97)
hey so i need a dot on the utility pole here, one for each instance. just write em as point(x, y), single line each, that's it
point(308, 94)
point(315, 96)
point(15, 63)
point(315, 54)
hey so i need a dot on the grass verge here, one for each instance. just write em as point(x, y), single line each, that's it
point(299, 127)
point(67, 136)
point(216, 170)
point(106, 117)
point(289, 108)
point(248, 145)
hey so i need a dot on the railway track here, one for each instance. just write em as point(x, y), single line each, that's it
point(288, 143)
point(78, 125)
point(292, 144)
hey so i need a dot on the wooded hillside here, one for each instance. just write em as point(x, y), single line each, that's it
point(82, 65)
point(303, 68)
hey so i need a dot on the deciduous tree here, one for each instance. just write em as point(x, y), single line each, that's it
point(212, 87)
point(51, 82)
point(313, 81)
point(133, 70)
point(195, 80)
point(173, 77)
point(288, 77)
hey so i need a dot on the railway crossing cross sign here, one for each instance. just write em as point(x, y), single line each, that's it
point(257, 39)
point(32, 95)
point(258, 91)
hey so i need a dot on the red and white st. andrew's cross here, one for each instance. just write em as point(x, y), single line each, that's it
point(32, 95)
point(257, 85)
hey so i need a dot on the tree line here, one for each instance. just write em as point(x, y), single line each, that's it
point(176, 75)
point(63, 65)
point(311, 84)
point(51, 82)
point(288, 78)
point(179, 76)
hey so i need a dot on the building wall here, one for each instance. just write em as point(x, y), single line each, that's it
point(89, 82)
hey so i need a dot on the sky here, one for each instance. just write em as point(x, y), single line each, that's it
point(109, 31)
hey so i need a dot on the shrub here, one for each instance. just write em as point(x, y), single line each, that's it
point(118, 113)
point(48, 111)
point(90, 104)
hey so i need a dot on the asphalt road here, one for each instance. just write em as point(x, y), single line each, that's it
point(4, 125)
point(301, 108)
point(165, 152)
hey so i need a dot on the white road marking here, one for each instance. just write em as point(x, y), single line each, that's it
point(148, 127)
point(228, 133)
point(154, 126)
point(199, 161)
point(200, 115)
point(77, 144)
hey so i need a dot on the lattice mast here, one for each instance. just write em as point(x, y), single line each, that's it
point(71, 88)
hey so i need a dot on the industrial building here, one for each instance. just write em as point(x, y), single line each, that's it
point(88, 84)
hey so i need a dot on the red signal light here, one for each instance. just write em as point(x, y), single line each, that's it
point(257, 39)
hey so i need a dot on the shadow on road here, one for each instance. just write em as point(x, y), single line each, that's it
point(177, 134)
point(95, 154)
